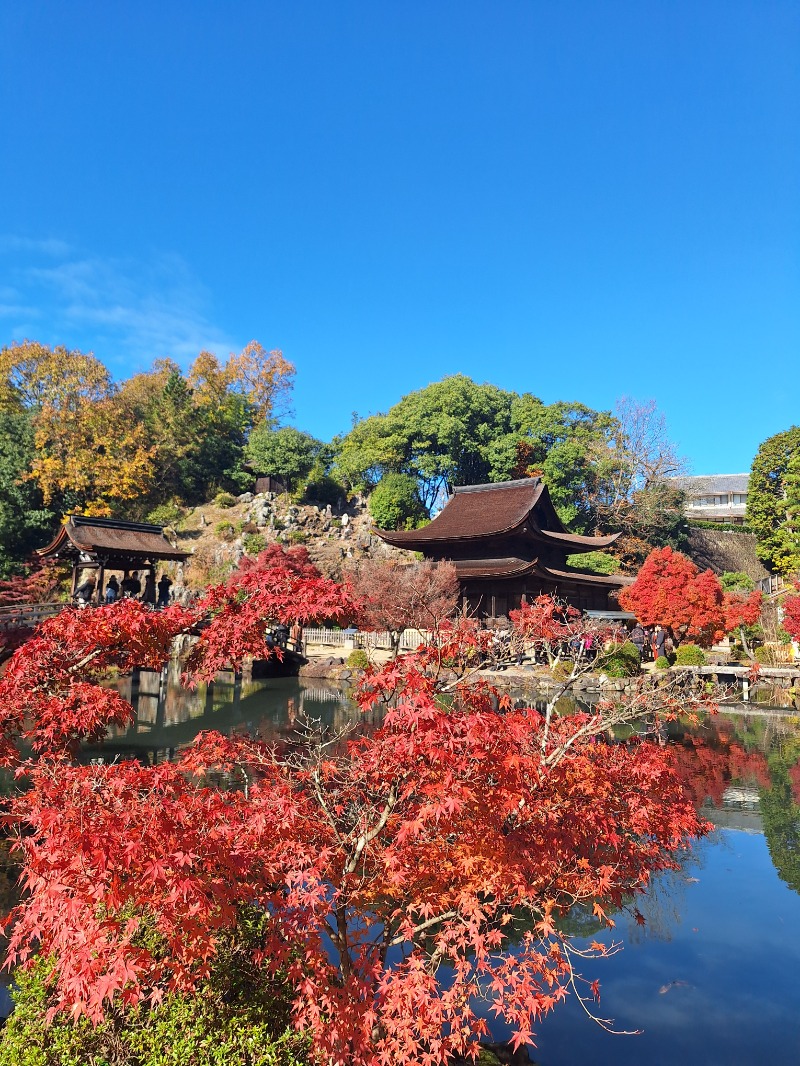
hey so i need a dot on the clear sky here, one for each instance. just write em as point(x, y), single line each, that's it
point(582, 200)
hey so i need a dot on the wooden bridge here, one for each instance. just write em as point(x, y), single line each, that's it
point(27, 615)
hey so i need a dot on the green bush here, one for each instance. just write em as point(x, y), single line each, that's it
point(562, 669)
point(254, 543)
point(166, 514)
point(395, 503)
point(225, 530)
point(662, 663)
point(237, 1016)
point(358, 659)
point(224, 499)
point(297, 536)
point(594, 563)
point(690, 655)
point(623, 660)
point(324, 490)
point(722, 527)
point(767, 656)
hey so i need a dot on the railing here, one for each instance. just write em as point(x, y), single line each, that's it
point(410, 639)
point(28, 614)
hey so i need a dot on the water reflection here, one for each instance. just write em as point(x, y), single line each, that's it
point(711, 976)
point(168, 717)
point(742, 767)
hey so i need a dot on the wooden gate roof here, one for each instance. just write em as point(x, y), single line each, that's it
point(116, 544)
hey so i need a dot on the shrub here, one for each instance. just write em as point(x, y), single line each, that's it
point(690, 655)
point(395, 503)
point(594, 563)
point(236, 1016)
point(769, 655)
point(224, 499)
point(225, 530)
point(324, 490)
point(662, 663)
point(166, 514)
point(254, 543)
point(358, 659)
point(296, 536)
point(623, 660)
point(562, 669)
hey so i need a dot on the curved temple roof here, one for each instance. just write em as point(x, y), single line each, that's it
point(475, 512)
point(110, 539)
point(470, 569)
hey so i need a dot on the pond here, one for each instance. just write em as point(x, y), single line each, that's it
point(712, 977)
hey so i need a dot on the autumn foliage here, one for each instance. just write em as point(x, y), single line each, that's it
point(397, 597)
point(791, 614)
point(395, 868)
point(671, 591)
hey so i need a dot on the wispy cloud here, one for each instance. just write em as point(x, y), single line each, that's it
point(127, 311)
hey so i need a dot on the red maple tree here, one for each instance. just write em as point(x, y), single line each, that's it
point(791, 615)
point(394, 868)
point(671, 591)
point(397, 597)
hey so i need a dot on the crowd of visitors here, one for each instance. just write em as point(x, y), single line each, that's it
point(155, 595)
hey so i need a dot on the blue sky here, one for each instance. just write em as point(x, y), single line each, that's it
point(582, 200)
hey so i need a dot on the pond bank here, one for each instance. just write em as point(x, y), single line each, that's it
point(775, 687)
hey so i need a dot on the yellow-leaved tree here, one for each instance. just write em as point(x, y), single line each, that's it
point(89, 455)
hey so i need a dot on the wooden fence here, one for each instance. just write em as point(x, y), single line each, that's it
point(341, 638)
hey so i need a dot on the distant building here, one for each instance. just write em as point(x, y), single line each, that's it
point(715, 497)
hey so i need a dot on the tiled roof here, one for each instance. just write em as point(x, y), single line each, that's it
point(516, 567)
point(611, 580)
point(478, 511)
point(109, 537)
point(708, 484)
point(480, 568)
point(482, 511)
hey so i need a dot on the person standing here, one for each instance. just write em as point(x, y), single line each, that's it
point(84, 593)
point(149, 594)
point(660, 643)
point(639, 638)
point(164, 585)
point(112, 590)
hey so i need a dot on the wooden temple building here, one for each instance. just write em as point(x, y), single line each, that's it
point(107, 544)
point(507, 543)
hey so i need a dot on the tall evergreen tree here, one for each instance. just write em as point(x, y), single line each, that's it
point(773, 501)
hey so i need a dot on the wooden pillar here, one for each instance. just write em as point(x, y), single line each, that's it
point(75, 568)
point(101, 576)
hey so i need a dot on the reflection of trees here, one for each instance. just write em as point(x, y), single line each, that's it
point(780, 815)
point(717, 754)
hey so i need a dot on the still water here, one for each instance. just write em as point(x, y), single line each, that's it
point(713, 976)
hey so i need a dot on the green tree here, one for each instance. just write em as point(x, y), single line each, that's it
point(773, 500)
point(25, 523)
point(395, 503)
point(440, 436)
point(197, 439)
point(286, 453)
point(456, 432)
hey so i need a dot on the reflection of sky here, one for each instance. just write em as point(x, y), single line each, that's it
point(736, 944)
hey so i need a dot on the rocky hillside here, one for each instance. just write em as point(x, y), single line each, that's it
point(218, 536)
